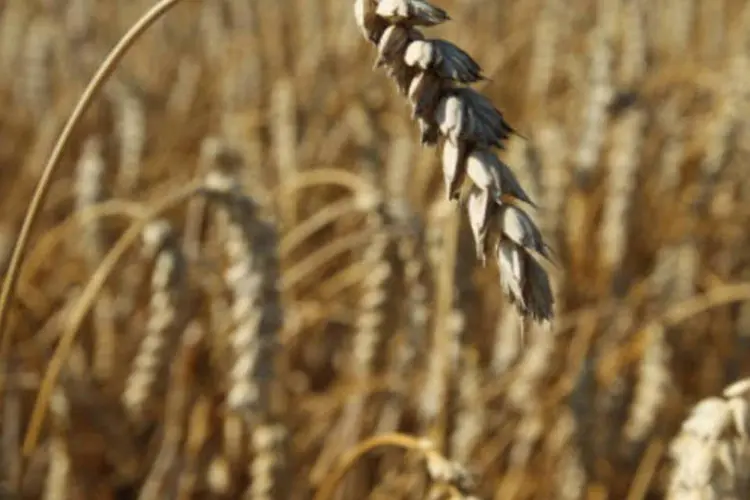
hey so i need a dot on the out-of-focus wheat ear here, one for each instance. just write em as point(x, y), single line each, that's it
point(710, 454)
point(130, 124)
point(268, 470)
point(720, 133)
point(182, 388)
point(370, 323)
point(218, 476)
point(595, 108)
point(252, 277)
point(89, 186)
point(451, 277)
point(621, 177)
point(167, 318)
point(411, 289)
point(58, 481)
point(370, 316)
point(410, 251)
point(89, 190)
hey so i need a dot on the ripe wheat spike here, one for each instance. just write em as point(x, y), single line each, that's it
point(467, 126)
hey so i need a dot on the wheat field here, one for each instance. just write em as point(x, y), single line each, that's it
point(247, 281)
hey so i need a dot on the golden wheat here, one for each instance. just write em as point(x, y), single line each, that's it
point(148, 363)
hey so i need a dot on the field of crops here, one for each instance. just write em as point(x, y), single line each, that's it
point(247, 280)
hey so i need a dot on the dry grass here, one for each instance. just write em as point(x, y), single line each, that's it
point(252, 285)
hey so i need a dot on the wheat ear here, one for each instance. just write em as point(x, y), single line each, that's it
point(712, 451)
point(166, 318)
point(434, 74)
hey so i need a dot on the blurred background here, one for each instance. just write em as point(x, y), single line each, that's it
point(635, 150)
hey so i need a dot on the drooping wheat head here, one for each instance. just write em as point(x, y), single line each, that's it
point(434, 75)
